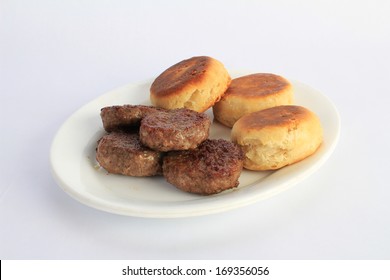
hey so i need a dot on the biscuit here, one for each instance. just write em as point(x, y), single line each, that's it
point(252, 93)
point(277, 136)
point(195, 83)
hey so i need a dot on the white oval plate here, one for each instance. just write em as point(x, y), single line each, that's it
point(75, 169)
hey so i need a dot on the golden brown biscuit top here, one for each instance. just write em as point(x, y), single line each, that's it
point(259, 84)
point(287, 116)
point(178, 76)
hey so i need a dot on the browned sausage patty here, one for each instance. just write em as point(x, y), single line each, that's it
point(179, 129)
point(125, 117)
point(213, 167)
point(123, 153)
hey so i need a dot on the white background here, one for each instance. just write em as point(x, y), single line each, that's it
point(55, 56)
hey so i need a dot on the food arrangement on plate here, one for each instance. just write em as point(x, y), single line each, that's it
point(171, 138)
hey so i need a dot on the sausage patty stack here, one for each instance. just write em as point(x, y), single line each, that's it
point(147, 141)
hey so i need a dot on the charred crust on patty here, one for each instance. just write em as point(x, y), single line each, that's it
point(178, 129)
point(122, 153)
point(125, 117)
point(211, 168)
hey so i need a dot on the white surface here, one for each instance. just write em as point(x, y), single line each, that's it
point(56, 56)
point(75, 169)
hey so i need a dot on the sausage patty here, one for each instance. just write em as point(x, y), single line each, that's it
point(213, 167)
point(123, 153)
point(125, 117)
point(179, 129)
